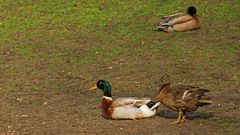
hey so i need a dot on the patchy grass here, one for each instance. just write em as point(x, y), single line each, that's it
point(54, 46)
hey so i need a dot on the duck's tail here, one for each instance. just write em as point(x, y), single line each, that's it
point(204, 100)
point(153, 105)
point(200, 92)
point(160, 27)
point(165, 28)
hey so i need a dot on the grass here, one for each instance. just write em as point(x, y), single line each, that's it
point(84, 34)
point(57, 45)
point(227, 123)
point(53, 30)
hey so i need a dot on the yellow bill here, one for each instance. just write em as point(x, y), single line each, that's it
point(93, 88)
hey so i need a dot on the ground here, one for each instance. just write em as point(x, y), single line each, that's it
point(52, 51)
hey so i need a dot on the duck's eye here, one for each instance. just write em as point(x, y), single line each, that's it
point(99, 84)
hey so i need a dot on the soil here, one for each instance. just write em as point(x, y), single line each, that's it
point(76, 111)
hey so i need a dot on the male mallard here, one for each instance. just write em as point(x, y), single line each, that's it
point(124, 108)
point(181, 98)
point(180, 21)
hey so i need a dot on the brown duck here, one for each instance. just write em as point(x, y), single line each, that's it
point(181, 98)
point(180, 21)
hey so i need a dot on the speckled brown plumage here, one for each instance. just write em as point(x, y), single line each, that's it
point(181, 98)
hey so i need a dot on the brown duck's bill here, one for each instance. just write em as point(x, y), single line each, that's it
point(93, 88)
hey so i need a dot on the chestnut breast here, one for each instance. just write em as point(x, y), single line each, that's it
point(106, 107)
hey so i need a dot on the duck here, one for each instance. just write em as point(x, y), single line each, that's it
point(124, 107)
point(180, 21)
point(181, 98)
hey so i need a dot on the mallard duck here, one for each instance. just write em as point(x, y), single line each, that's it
point(181, 98)
point(180, 21)
point(124, 108)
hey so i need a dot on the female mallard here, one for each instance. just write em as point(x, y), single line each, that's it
point(124, 108)
point(180, 21)
point(181, 98)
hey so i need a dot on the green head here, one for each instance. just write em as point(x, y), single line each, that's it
point(104, 86)
point(191, 10)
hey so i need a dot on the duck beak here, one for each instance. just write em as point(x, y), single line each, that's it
point(197, 14)
point(93, 88)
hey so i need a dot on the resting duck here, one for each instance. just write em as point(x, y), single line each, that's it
point(181, 98)
point(124, 108)
point(180, 21)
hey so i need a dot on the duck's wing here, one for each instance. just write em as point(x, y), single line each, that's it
point(172, 16)
point(178, 20)
point(164, 20)
point(130, 101)
point(180, 92)
point(187, 92)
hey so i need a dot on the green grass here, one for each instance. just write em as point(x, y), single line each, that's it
point(112, 28)
point(80, 33)
point(59, 45)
